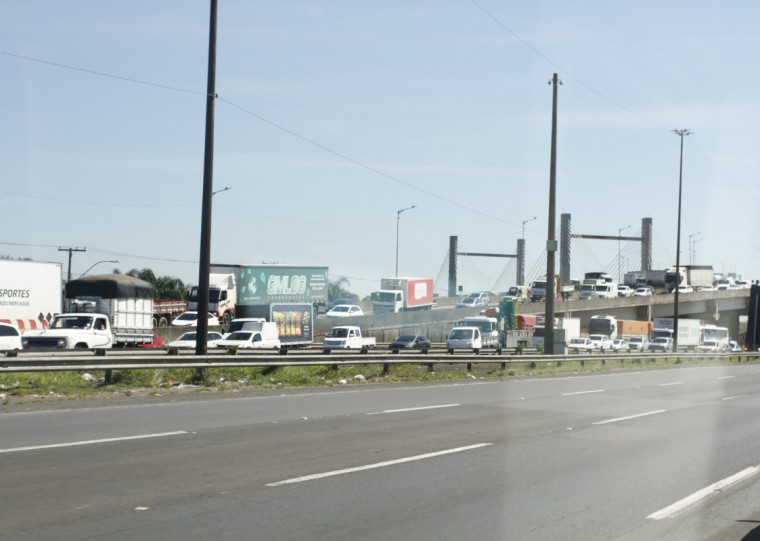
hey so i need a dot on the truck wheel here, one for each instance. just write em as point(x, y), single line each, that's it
point(476, 351)
point(326, 351)
point(81, 346)
point(364, 350)
point(226, 319)
point(155, 321)
point(163, 321)
point(395, 350)
point(451, 352)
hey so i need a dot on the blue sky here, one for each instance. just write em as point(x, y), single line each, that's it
point(335, 115)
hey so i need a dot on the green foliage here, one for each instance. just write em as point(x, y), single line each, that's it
point(336, 289)
point(167, 287)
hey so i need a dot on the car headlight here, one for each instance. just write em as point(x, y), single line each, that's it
point(61, 343)
point(25, 343)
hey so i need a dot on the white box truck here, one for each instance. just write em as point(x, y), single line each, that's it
point(30, 293)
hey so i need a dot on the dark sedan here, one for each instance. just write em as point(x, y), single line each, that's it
point(410, 341)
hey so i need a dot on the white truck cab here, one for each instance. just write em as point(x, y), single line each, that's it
point(464, 338)
point(72, 331)
point(347, 337)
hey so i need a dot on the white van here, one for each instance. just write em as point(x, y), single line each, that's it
point(253, 335)
point(464, 338)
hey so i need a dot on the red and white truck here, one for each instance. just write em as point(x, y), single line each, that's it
point(30, 293)
point(402, 294)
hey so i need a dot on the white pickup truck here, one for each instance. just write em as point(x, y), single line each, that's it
point(72, 331)
point(347, 337)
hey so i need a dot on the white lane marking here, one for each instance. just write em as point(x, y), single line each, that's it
point(415, 409)
point(90, 442)
point(727, 377)
point(583, 392)
point(704, 493)
point(669, 384)
point(629, 417)
point(729, 398)
point(377, 465)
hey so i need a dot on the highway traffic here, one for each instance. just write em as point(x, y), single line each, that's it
point(667, 454)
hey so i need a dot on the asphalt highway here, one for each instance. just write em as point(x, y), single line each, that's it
point(652, 454)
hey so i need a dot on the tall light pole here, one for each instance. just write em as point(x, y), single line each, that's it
point(620, 232)
point(398, 219)
point(98, 263)
point(681, 134)
point(551, 241)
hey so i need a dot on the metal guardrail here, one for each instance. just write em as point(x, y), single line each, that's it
point(144, 360)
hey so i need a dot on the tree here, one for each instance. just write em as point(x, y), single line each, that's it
point(336, 289)
point(167, 287)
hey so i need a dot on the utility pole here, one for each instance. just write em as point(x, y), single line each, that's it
point(551, 242)
point(680, 133)
point(70, 251)
point(204, 267)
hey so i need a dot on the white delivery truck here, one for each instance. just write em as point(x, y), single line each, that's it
point(403, 293)
point(30, 293)
point(689, 331)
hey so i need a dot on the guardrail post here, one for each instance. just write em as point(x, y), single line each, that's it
point(108, 377)
point(386, 368)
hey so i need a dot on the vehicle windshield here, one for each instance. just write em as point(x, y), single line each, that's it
point(405, 338)
point(341, 309)
point(188, 316)
point(460, 334)
point(339, 332)
point(188, 336)
point(72, 322)
point(384, 296)
point(240, 335)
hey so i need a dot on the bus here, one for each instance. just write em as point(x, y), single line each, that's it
point(606, 325)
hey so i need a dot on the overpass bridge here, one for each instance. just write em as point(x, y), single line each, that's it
point(721, 308)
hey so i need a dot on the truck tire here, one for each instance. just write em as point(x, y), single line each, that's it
point(364, 350)
point(81, 345)
point(326, 351)
point(226, 319)
point(476, 351)
point(451, 352)
point(163, 321)
point(155, 322)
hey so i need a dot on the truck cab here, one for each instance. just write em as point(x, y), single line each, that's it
point(347, 337)
point(72, 331)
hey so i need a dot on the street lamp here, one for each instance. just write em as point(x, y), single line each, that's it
point(620, 231)
point(222, 190)
point(98, 263)
point(525, 222)
point(398, 219)
point(681, 134)
point(691, 247)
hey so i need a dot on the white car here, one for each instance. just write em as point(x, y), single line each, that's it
point(624, 291)
point(733, 346)
point(10, 339)
point(474, 300)
point(645, 291)
point(345, 310)
point(618, 344)
point(578, 345)
point(685, 289)
point(187, 340)
point(249, 340)
point(190, 319)
point(638, 343)
point(601, 342)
